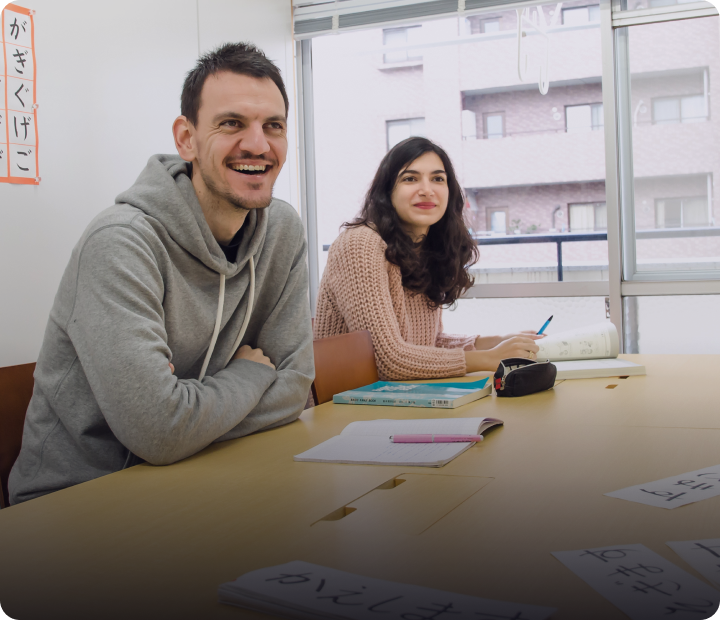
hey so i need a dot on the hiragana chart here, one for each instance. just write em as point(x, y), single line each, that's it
point(18, 106)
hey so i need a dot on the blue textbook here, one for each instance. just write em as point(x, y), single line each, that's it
point(396, 394)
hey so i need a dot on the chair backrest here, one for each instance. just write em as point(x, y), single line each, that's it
point(343, 362)
point(16, 388)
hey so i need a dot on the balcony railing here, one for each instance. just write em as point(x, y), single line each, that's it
point(560, 238)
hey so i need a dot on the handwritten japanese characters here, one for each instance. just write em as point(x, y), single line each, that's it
point(675, 491)
point(642, 583)
point(702, 555)
point(300, 589)
point(18, 114)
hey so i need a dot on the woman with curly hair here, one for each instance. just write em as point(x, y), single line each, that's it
point(399, 262)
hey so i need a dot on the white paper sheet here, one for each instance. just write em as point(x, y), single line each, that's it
point(381, 451)
point(585, 369)
point(589, 342)
point(702, 555)
point(385, 428)
point(321, 592)
point(676, 491)
point(642, 583)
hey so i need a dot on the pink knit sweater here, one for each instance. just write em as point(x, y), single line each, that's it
point(360, 289)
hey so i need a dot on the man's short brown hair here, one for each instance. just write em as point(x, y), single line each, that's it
point(241, 58)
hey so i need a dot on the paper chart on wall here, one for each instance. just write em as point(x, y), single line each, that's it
point(590, 342)
point(18, 105)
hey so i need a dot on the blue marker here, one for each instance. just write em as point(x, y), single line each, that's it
point(542, 329)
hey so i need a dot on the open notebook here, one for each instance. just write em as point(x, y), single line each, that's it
point(368, 443)
point(587, 352)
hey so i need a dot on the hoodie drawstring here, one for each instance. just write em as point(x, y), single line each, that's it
point(218, 320)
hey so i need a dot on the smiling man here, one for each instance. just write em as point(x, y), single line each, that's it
point(182, 317)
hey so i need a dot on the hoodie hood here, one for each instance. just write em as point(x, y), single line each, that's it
point(164, 192)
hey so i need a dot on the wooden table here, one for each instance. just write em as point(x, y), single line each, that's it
point(155, 542)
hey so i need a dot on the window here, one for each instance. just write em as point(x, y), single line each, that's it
point(497, 220)
point(667, 238)
point(583, 117)
point(670, 223)
point(397, 131)
point(398, 37)
point(469, 125)
point(505, 139)
point(477, 25)
point(671, 110)
point(581, 15)
point(588, 217)
point(494, 125)
point(681, 212)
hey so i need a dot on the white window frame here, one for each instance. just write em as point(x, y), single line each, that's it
point(624, 280)
point(398, 121)
point(410, 54)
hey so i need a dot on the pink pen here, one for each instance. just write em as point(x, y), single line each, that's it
point(434, 438)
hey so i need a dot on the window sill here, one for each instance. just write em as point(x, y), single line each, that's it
point(406, 64)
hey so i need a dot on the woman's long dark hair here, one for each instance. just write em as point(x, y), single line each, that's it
point(436, 266)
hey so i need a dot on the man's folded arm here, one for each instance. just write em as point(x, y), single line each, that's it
point(286, 338)
point(118, 331)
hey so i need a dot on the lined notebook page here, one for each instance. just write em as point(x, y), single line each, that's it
point(385, 428)
point(381, 451)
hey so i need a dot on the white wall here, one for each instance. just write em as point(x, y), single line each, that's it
point(109, 76)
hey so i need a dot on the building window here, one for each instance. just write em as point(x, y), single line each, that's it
point(497, 220)
point(588, 117)
point(478, 25)
point(398, 37)
point(397, 131)
point(578, 15)
point(681, 212)
point(493, 125)
point(686, 109)
point(588, 217)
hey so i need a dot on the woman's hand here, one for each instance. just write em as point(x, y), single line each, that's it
point(485, 343)
point(522, 345)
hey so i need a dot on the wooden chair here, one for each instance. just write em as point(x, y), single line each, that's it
point(343, 362)
point(16, 388)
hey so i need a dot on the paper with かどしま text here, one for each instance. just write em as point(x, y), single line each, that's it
point(304, 590)
point(641, 583)
point(18, 107)
point(676, 491)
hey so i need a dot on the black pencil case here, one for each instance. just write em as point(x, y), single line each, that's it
point(518, 376)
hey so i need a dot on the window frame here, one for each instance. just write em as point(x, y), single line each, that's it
point(488, 218)
point(679, 99)
point(624, 281)
point(399, 120)
point(408, 57)
point(596, 206)
point(592, 106)
point(486, 134)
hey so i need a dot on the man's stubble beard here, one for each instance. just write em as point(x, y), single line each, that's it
point(228, 196)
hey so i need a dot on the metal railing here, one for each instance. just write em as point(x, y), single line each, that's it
point(560, 238)
point(557, 238)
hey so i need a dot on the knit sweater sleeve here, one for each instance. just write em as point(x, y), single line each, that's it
point(357, 272)
point(454, 341)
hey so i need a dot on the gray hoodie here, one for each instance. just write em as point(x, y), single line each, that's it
point(142, 289)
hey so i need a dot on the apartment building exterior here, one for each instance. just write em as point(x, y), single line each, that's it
point(530, 163)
